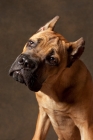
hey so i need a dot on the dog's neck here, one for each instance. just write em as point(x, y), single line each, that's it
point(67, 79)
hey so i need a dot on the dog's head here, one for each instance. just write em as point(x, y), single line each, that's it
point(44, 55)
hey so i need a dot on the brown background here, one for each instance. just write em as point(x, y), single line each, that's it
point(19, 19)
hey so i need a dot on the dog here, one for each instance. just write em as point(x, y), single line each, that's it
point(50, 66)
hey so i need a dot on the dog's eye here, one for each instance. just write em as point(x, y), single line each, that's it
point(30, 44)
point(52, 60)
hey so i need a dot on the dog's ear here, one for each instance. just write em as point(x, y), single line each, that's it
point(50, 25)
point(75, 50)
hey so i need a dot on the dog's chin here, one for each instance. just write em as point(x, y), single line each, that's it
point(29, 80)
point(18, 77)
point(33, 87)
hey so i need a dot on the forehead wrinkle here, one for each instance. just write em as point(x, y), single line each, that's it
point(47, 46)
point(46, 40)
point(42, 34)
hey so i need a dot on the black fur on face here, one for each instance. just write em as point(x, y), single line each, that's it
point(24, 70)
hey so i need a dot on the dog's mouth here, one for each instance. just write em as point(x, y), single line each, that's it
point(25, 76)
point(28, 71)
point(18, 76)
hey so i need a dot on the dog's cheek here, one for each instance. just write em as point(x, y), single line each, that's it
point(32, 82)
point(41, 74)
point(26, 75)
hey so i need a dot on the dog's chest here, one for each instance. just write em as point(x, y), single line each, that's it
point(57, 112)
point(59, 119)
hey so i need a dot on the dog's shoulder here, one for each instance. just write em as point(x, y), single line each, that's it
point(75, 74)
point(76, 69)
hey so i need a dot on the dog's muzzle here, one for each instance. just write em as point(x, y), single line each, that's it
point(24, 70)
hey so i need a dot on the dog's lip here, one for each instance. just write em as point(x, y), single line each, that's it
point(18, 77)
point(12, 71)
point(17, 70)
point(30, 84)
point(20, 72)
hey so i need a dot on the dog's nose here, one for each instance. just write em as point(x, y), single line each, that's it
point(27, 63)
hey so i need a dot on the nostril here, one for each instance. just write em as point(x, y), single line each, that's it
point(29, 64)
point(21, 61)
point(26, 63)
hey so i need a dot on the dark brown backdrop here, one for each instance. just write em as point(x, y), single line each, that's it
point(18, 21)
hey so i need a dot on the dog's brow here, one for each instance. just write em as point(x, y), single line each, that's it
point(39, 40)
point(51, 52)
point(52, 38)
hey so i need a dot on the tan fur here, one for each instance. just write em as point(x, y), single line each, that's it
point(66, 97)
